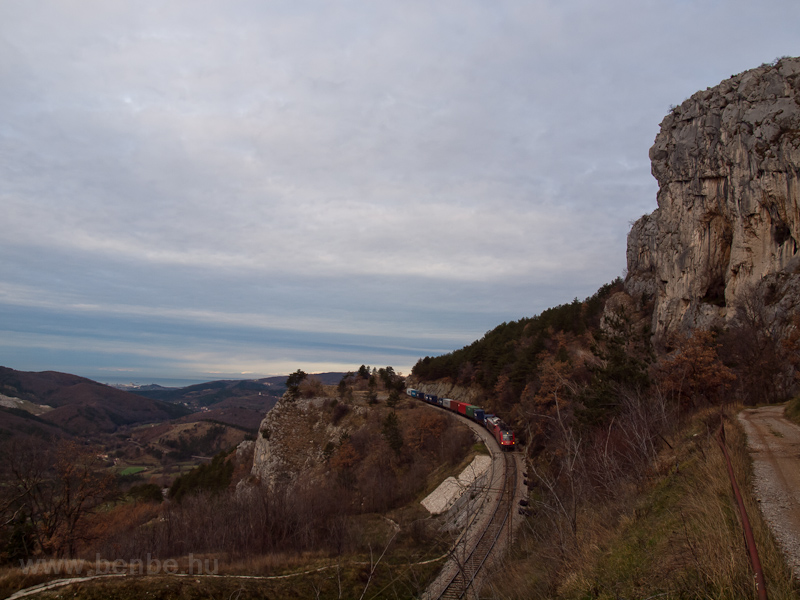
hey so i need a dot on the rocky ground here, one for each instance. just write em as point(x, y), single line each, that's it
point(775, 447)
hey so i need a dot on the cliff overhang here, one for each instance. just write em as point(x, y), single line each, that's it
point(727, 226)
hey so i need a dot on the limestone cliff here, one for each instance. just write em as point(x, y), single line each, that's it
point(727, 161)
point(445, 389)
point(293, 438)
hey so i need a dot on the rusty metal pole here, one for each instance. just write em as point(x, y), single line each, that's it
point(761, 584)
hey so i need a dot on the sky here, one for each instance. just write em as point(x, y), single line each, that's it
point(197, 190)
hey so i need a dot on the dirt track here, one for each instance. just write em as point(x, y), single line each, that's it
point(774, 444)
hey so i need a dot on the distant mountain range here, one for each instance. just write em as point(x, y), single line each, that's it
point(214, 392)
point(50, 403)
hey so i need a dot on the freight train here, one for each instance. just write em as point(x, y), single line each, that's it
point(501, 432)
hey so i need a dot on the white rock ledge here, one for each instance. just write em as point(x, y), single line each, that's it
point(451, 489)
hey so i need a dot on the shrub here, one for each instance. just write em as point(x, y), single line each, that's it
point(793, 410)
point(146, 492)
point(212, 477)
point(339, 411)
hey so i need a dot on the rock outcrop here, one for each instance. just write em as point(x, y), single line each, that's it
point(445, 389)
point(292, 441)
point(727, 161)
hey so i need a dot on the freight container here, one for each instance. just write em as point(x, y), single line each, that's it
point(477, 414)
point(446, 403)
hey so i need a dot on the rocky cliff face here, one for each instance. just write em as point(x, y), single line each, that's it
point(292, 440)
point(444, 389)
point(727, 161)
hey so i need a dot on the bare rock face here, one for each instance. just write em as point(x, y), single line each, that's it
point(727, 162)
point(291, 442)
point(444, 389)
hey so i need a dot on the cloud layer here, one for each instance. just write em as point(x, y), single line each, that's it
point(195, 188)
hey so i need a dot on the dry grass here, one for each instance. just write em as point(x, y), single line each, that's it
point(678, 537)
point(307, 575)
point(408, 564)
point(13, 579)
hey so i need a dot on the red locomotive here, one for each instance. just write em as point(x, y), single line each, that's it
point(501, 432)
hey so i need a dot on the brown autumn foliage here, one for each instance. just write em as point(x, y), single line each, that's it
point(761, 345)
point(343, 463)
point(320, 513)
point(693, 373)
point(547, 401)
point(49, 491)
point(119, 522)
point(791, 345)
point(312, 387)
point(427, 430)
point(502, 397)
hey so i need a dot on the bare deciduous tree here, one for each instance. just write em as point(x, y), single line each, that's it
point(758, 346)
point(55, 486)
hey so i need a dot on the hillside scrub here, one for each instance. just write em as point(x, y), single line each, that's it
point(48, 491)
point(676, 533)
point(384, 462)
point(792, 411)
point(210, 478)
point(627, 498)
point(512, 349)
point(189, 444)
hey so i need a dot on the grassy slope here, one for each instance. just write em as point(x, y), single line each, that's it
point(308, 577)
point(677, 537)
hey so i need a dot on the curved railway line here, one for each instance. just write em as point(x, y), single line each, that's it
point(470, 565)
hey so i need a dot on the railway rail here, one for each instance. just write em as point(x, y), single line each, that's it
point(469, 566)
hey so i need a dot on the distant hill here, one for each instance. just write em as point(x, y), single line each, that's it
point(232, 392)
point(248, 393)
point(16, 421)
point(50, 403)
point(247, 419)
point(80, 406)
point(330, 378)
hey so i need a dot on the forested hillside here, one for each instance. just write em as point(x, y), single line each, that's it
point(80, 406)
point(620, 438)
point(575, 346)
point(511, 349)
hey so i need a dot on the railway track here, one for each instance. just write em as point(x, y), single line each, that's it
point(469, 566)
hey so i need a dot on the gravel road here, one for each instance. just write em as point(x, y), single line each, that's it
point(774, 444)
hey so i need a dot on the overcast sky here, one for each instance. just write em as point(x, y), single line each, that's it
point(204, 189)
